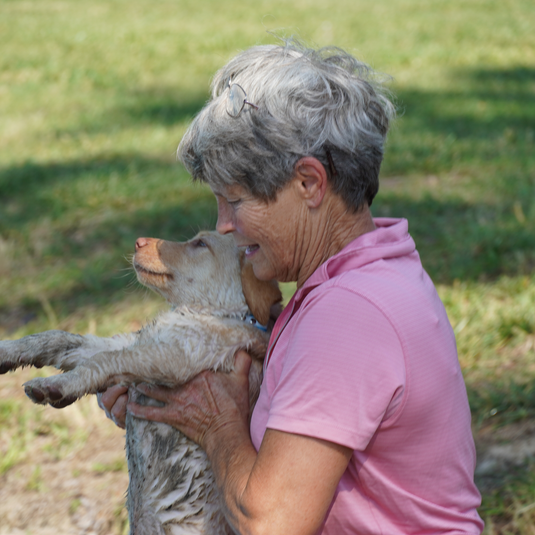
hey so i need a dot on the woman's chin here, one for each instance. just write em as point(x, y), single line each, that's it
point(262, 271)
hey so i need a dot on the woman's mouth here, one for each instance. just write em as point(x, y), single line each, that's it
point(250, 250)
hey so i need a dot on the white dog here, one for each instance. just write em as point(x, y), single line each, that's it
point(218, 307)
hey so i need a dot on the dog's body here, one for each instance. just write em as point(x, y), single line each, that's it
point(216, 302)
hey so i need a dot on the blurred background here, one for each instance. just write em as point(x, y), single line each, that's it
point(94, 98)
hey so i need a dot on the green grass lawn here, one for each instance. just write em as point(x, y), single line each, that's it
point(94, 98)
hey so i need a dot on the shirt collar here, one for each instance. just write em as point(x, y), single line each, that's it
point(390, 239)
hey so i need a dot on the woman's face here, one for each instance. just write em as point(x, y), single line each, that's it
point(268, 232)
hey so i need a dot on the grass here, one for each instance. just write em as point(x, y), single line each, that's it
point(13, 444)
point(508, 507)
point(118, 465)
point(21, 427)
point(94, 101)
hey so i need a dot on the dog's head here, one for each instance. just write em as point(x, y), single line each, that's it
point(206, 272)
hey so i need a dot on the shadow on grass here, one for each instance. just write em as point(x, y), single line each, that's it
point(67, 192)
point(483, 105)
point(460, 240)
point(501, 402)
point(481, 101)
point(89, 266)
point(456, 240)
point(30, 181)
point(163, 106)
point(490, 116)
point(72, 224)
point(510, 81)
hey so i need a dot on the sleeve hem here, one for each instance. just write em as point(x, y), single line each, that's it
point(321, 430)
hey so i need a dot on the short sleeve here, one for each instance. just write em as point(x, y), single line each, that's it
point(343, 372)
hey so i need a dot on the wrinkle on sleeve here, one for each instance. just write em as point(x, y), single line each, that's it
point(343, 373)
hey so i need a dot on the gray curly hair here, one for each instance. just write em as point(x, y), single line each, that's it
point(322, 103)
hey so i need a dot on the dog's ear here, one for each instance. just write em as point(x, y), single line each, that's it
point(260, 296)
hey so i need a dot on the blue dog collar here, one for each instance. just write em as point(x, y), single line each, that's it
point(251, 320)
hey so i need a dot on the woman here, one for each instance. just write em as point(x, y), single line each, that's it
point(362, 424)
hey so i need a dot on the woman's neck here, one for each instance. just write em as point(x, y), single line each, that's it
point(331, 228)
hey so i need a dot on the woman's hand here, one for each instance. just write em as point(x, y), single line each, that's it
point(114, 401)
point(286, 487)
point(205, 407)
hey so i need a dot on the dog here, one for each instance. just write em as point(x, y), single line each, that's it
point(218, 306)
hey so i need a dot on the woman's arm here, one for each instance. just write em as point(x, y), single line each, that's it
point(286, 487)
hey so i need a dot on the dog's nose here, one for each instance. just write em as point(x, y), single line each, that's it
point(141, 242)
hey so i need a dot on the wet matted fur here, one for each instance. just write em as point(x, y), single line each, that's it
point(215, 302)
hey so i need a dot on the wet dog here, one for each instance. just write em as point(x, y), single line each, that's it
point(218, 306)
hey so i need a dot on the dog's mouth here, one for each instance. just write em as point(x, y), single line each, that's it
point(144, 272)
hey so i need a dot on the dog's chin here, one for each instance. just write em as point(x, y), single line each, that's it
point(157, 284)
point(145, 272)
point(153, 279)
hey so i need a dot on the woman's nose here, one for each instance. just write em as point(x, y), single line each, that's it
point(225, 223)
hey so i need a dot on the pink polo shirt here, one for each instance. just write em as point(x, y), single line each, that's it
point(364, 356)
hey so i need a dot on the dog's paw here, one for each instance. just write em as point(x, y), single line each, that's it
point(18, 354)
point(49, 390)
point(50, 348)
point(10, 356)
point(8, 366)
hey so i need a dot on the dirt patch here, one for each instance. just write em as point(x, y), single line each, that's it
point(68, 471)
point(503, 449)
point(63, 472)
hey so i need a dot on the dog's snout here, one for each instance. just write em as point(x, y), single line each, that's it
point(141, 242)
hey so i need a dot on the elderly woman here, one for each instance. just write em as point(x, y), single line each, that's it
point(362, 424)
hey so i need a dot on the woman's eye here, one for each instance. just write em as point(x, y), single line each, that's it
point(234, 203)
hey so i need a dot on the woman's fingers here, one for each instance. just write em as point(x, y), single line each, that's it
point(242, 363)
point(118, 411)
point(110, 396)
point(202, 406)
point(114, 401)
point(189, 408)
point(159, 393)
point(145, 412)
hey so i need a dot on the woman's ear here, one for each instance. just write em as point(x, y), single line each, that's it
point(260, 296)
point(311, 180)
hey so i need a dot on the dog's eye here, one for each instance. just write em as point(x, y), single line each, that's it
point(199, 243)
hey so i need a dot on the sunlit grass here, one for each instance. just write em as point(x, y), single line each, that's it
point(94, 101)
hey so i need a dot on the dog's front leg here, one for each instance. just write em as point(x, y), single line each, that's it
point(127, 365)
point(60, 349)
point(44, 349)
point(156, 364)
point(165, 363)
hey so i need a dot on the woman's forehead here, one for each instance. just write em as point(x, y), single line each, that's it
point(222, 190)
